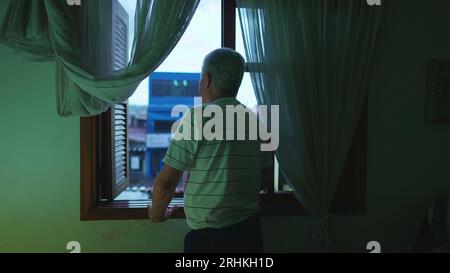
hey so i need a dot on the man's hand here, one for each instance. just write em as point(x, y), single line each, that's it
point(167, 215)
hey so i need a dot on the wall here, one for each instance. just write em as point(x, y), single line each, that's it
point(407, 160)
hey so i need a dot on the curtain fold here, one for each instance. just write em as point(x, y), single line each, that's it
point(312, 58)
point(52, 30)
point(25, 29)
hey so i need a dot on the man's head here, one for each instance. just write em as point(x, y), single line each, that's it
point(222, 73)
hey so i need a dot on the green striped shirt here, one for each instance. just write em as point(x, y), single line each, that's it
point(224, 175)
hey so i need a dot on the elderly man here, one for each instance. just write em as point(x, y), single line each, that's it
point(225, 177)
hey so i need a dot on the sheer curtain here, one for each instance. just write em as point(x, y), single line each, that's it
point(312, 58)
point(47, 30)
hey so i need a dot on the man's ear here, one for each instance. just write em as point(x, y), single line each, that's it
point(208, 79)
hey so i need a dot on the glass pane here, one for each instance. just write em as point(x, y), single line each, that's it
point(246, 94)
point(239, 40)
point(174, 82)
point(281, 184)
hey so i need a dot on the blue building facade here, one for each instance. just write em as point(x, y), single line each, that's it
point(166, 90)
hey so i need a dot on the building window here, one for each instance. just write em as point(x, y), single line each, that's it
point(122, 150)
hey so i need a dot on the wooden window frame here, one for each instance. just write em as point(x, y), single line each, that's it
point(350, 196)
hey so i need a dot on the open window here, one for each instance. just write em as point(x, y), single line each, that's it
point(122, 149)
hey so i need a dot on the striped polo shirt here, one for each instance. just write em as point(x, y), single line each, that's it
point(224, 175)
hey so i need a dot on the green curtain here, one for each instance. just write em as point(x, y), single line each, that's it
point(311, 57)
point(25, 28)
point(45, 30)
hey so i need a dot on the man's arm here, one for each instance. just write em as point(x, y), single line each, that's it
point(165, 185)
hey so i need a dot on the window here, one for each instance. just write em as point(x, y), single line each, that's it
point(122, 149)
point(175, 81)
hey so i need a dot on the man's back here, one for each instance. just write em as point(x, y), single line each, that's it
point(225, 175)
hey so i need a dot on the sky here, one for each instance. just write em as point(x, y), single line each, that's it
point(202, 36)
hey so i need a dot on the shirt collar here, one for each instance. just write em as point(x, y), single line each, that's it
point(224, 100)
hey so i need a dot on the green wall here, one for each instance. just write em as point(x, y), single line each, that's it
point(407, 160)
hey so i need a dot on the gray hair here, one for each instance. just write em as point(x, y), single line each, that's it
point(226, 67)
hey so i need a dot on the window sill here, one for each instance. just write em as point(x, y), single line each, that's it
point(273, 205)
point(280, 204)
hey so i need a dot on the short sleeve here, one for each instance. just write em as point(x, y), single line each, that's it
point(183, 148)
